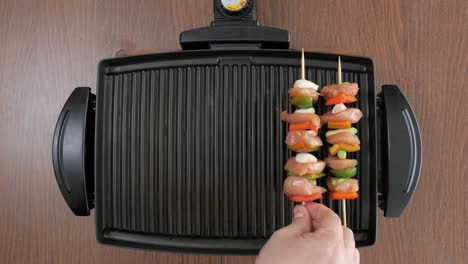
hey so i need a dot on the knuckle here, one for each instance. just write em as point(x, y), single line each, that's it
point(348, 231)
point(330, 235)
point(334, 234)
point(335, 220)
point(281, 232)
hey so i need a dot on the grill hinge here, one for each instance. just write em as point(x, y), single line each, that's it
point(235, 28)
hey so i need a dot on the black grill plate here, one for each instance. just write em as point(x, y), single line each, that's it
point(190, 148)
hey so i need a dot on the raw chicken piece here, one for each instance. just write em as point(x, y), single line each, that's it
point(347, 186)
point(304, 168)
point(300, 118)
point(295, 185)
point(351, 114)
point(340, 164)
point(304, 92)
point(303, 140)
point(333, 90)
point(344, 138)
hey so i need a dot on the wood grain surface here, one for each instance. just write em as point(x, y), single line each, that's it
point(48, 47)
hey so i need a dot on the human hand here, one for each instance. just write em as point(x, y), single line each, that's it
point(315, 236)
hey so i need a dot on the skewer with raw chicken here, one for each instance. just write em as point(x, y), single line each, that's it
point(343, 140)
point(304, 168)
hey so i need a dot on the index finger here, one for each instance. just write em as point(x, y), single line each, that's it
point(324, 218)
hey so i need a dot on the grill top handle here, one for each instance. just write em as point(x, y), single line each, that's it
point(235, 29)
point(73, 151)
point(401, 151)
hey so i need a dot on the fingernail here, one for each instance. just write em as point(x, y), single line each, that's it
point(298, 213)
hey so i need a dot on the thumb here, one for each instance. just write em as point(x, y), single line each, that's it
point(324, 219)
point(301, 223)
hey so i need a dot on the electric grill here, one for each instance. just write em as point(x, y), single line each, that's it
point(184, 151)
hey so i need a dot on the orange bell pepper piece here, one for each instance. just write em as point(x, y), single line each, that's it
point(343, 196)
point(340, 99)
point(346, 147)
point(350, 148)
point(303, 126)
point(339, 125)
point(301, 147)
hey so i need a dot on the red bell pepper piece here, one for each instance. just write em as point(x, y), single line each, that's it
point(305, 198)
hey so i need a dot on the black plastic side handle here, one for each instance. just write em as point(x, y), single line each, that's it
point(73, 151)
point(401, 151)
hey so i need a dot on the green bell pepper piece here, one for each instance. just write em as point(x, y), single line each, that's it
point(337, 181)
point(342, 154)
point(348, 173)
point(351, 130)
point(314, 182)
point(303, 102)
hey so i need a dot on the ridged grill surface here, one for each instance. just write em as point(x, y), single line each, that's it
point(199, 150)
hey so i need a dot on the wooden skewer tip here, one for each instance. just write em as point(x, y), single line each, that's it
point(343, 207)
point(339, 69)
point(302, 65)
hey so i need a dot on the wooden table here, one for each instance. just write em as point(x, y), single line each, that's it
point(49, 47)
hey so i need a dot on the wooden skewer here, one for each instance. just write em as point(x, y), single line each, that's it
point(303, 65)
point(303, 78)
point(343, 202)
